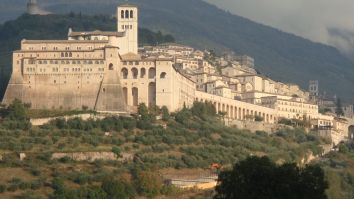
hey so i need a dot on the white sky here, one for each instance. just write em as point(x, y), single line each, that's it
point(307, 18)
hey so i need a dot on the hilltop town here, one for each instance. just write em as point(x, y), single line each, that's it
point(160, 119)
point(108, 72)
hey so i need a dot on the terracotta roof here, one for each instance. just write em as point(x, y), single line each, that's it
point(97, 33)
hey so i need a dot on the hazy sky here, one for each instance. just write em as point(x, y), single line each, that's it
point(311, 19)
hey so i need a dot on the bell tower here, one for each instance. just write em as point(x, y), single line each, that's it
point(127, 21)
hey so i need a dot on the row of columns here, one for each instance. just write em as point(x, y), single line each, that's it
point(239, 113)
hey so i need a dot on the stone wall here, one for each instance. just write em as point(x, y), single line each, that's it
point(253, 126)
point(42, 121)
point(92, 156)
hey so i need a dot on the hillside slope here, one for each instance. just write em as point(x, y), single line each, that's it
point(280, 55)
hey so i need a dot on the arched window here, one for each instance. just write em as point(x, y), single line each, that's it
point(70, 54)
point(142, 72)
point(66, 54)
point(131, 14)
point(135, 73)
point(163, 75)
point(110, 67)
point(122, 14)
point(127, 14)
point(124, 73)
point(62, 54)
point(151, 94)
point(135, 95)
point(125, 94)
point(152, 73)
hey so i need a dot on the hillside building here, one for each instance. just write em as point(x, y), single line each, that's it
point(105, 71)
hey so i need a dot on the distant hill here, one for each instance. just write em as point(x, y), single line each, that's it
point(56, 27)
point(282, 56)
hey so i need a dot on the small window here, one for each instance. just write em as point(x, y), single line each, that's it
point(131, 14)
point(163, 75)
point(127, 14)
point(111, 66)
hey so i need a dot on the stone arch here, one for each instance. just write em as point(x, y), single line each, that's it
point(127, 14)
point(163, 75)
point(227, 111)
point(124, 73)
point(152, 73)
point(125, 94)
point(152, 94)
point(135, 73)
point(110, 67)
point(135, 95)
point(351, 132)
point(142, 72)
point(235, 112)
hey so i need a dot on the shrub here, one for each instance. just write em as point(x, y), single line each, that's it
point(165, 113)
point(117, 151)
point(148, 183)
point(2, 188)
point(118, 189)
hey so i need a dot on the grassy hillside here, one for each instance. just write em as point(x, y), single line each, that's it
point(56, 27)
point(192, 140)
point(339, 167)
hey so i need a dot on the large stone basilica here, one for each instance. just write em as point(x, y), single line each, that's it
point(96, 70)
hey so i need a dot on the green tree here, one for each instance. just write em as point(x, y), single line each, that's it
point(143, 111)
point(260, 178)
point(17, 111)
point(148, 183)
point(339, 108)
point(118, 189)
point(117, 151)
point(165, 113)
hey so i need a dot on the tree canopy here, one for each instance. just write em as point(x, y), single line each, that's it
point(260, 178)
